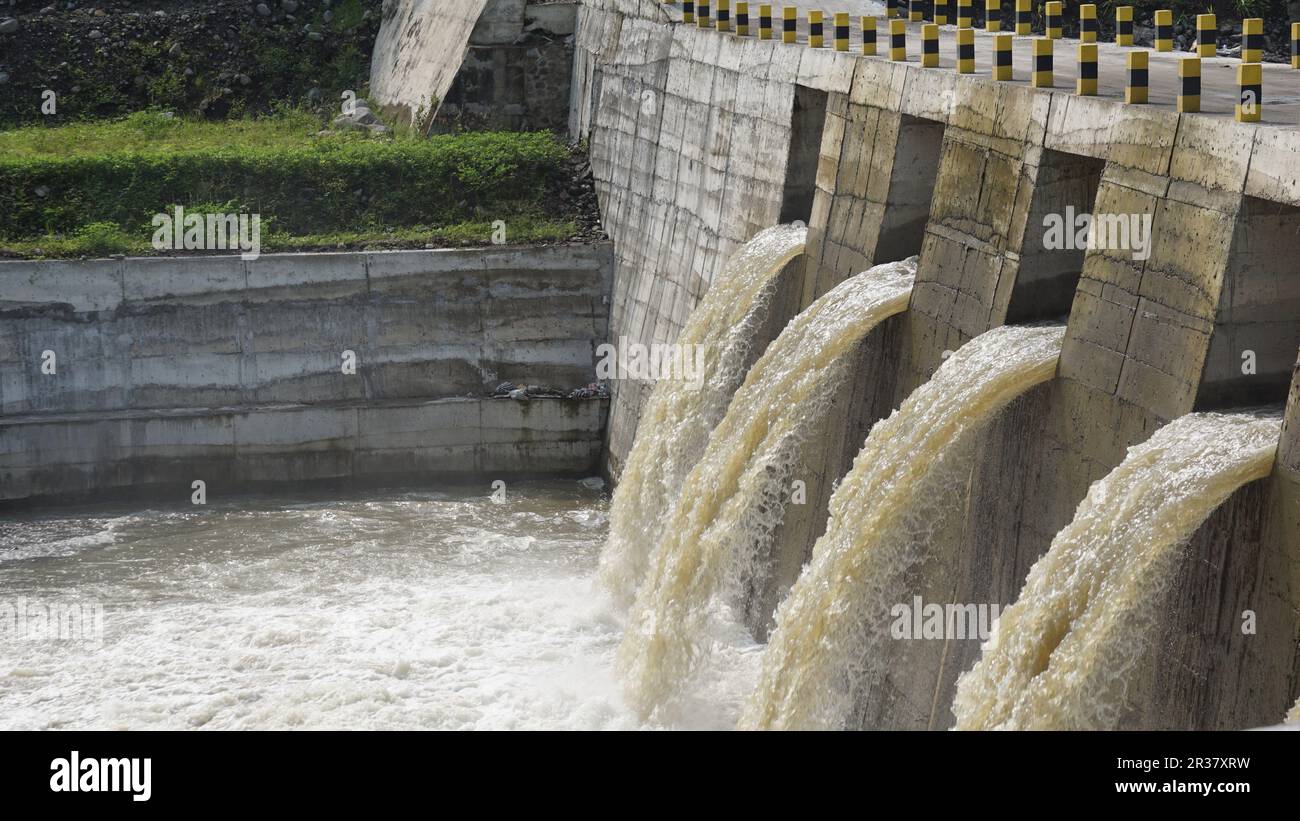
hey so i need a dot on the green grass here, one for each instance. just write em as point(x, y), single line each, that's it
point(108, 239)
point(94, 187)
point(149, 133)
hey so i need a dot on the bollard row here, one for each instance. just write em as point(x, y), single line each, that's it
point(1137, 68)
point(702, 14)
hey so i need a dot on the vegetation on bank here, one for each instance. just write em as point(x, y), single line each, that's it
point(216, 58)
point(95, 188)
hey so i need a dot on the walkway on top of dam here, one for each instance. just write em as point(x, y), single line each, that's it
point(1219, 92)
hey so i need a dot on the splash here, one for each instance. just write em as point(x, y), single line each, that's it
point(878, 528)
point(675, 426)
point(1061, 655)
point(735, 497)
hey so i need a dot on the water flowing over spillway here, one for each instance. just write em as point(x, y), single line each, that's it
point(736, 494)
point(1060, 656)
point(676, 425)
point(877, 529)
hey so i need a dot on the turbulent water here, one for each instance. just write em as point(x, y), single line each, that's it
point(675, 426)
point(736, 494)
point(877, 528)
point(390, 611)
point(1061, 655)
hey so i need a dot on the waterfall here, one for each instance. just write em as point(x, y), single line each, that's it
point(877, 531)
point(680, 416)
point(736, 494)
point(1061, 655)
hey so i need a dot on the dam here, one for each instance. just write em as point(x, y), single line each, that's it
point(913, 393)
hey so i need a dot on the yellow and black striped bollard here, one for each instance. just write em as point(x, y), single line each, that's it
point(993, 15)
point(1250, 92)
point(869, 36)
point(1137, 84)
point(1054, 19)
point(1189, 85)
point(814, 29)
point(789, 24)
point(1124, 26)
point(1088, 23)
point(898, 40)
point(930, 45)
point(1086, 84)
point(1295, 45)
point(764, 22)
point(941, 12)
point(1002, 56)
point(724, 15)
point(1042, 74)
point(1207, 35)
point(702, 14)
point(1252, 40)
point(841, 31)
point(916, 11)
point(892, 9)
point(1164, 30)
point(742, 19)
point(966, 50)
point(1024, 17)
point(688, 11)
point(965, 14)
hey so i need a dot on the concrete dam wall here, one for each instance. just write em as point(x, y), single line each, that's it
point(699, 139)
point(140, 372)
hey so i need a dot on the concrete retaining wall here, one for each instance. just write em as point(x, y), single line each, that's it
point(418, 52)
point(172, 364)
point(450, 65)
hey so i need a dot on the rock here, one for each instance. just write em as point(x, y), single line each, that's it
point(48, 10)
point(4, 78)
point(8, 25)
point(175, 49)
point(243, 79)
point(263, 9)
point(290, 6)
point(42, 191)
point(328, 17)
point(95, 34)
point(315, 35)
point(314, 95)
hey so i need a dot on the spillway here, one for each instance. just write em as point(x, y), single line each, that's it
point(721, 528)
point(1061, 656)
point(879, 524)
point(675, 427)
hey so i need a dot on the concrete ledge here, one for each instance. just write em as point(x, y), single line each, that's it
point(94, 455)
